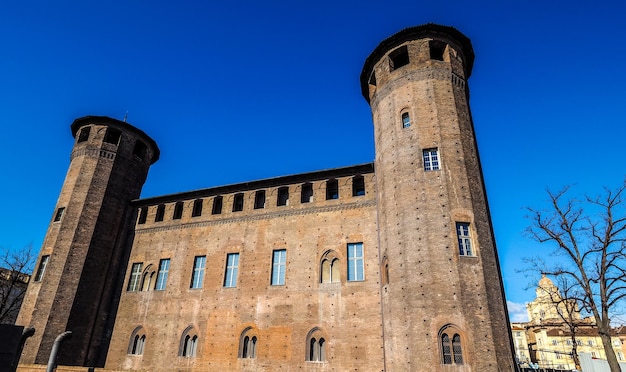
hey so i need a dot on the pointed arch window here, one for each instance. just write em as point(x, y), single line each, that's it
point(451, 346)
point(330, 268)
point(137, 341)
point(188, 343)
point(247, 343)
point(316, 346)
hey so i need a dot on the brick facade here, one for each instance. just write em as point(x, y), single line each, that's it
point(371, 275)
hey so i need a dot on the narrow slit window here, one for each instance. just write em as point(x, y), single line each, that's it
point(197, 208)
point(259, 199)
point(217, 205)
point(84, 134)
point(283, 196)
point(159, 213)
point(332, 189)
point(178, 211)
point(406, 120)
point(112, 136)
point(238, 202)
point(42, 267)
point(59, 214)
point(398, 58)
point(358, 186)
point(143, 215)
point(307, 193)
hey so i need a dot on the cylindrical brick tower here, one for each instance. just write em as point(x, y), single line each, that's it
point(442, 295)
point(77, 276)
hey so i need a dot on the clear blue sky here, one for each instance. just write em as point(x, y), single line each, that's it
point(243, 90)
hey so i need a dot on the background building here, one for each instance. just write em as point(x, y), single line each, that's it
point(389, 265)
point(548, 337)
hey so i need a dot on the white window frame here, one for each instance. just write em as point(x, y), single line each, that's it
point(197, 277)
point(279, 265)
point(134, 282)
point(164, 269)
point(232, 269)
point(356, 266)
point(432, 160)
point(464, 237)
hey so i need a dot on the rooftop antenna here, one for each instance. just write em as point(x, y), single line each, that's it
point(125, 116)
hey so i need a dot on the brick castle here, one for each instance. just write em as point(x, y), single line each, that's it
point(385, 266)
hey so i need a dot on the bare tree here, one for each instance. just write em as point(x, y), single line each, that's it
point(15, 269)
point(564, 297)
point(589, 236)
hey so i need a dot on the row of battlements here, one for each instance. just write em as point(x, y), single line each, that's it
point(316, 189)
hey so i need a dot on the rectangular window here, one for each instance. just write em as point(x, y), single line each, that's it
point(42, 268)
point(217, 205)
point(112, 135)
point(232, 268)
point(143, 215)
point(358, 186)
point(431, 159)
point(160, 212)
point(164, 269)
point(178, 211)
point(279, 262)
point(465, 241)
point(355, 262)
point(283, 196)
point(406, 120)
point(332, 189)
point(135, 277)
point(197, 208)
point(238, 202)
point(197, 277)
point(307, 193)
point(59, 214)
point(259, 199)
point(84, 134)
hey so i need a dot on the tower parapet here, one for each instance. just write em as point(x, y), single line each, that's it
point(83, 255)
point(442, 296)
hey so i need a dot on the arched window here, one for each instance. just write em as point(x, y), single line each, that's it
point(247, 343)
point(137, 341)
point(148, 277)
point(188, 343)
point(315, 346)
point(406, 120)
point(330, 268)
point(450, 344)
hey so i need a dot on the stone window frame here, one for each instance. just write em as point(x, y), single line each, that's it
point(316, 346)
point(451, 340)
point(248, 341)
point(330, 267)
point(137, 341)
point(41, 269)
point(188, 346)
point(464, 239)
